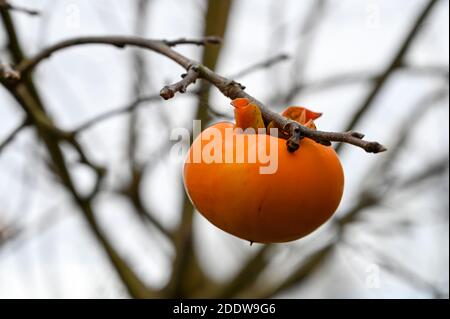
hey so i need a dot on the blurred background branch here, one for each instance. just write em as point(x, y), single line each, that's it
point(8, 6)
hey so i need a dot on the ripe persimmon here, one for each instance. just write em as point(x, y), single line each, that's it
point(289, 203)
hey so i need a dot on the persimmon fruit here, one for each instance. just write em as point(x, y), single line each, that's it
point(299, 196)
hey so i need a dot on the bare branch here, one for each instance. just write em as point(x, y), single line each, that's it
point(302, 272)
point(13, 134)
point(17, 235)
point(437, 168)
point(424, 70)
point(261, 65)
point(132, 192)
point(206, 40)
point(5, 5)
point(247, 274)
point(395, 267)
point(367, 197)
point(117, 111)
point(304, 47)
point(416, 112)
point(350, 78)
point(8, 233)
point(229, 88)
point(188, 78)
point(293, 129)
point(9, 74)
point(332, 81)
point(396, 62)
point(26, 94)
point(158, 46)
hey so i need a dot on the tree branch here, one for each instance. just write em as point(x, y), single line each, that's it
point(132, 192)
point(204, 41)
point(13, 134)
point(5, 5)
point(188, 78)
point(261, 65)
point(304, 47)
point(111, 113)
point(351, 78)
point(8, 73)
point(158, 46)
point(155, 97)
point(395, 63)
point(247, 274)
point(28, 98)
point(229, 88)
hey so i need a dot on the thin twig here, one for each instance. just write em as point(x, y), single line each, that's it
point(437, 168)
point(133, 192)
point(188, 78)
point(117, 111)
point(204, 41)
point(427, 70)
point(13, 134)
point(356, 77)
point(304, 48)
point(261, 65)
point(247, 274)
point(403, 131)
point(5, 5)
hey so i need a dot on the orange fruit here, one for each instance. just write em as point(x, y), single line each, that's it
point(294, 199)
